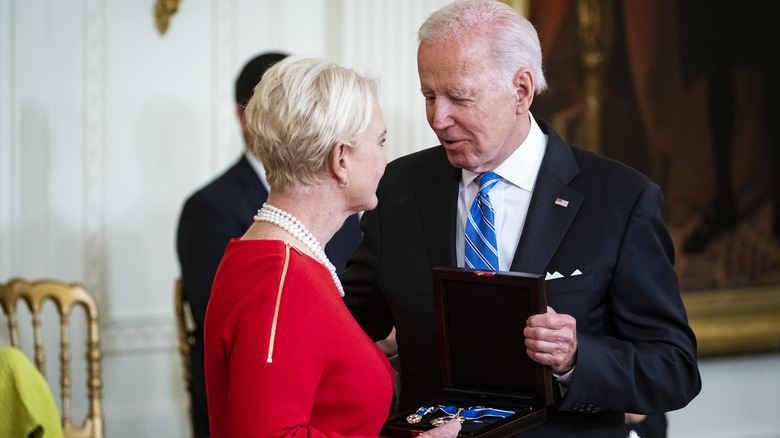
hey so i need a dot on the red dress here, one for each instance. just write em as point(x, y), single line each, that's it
point(306, 369)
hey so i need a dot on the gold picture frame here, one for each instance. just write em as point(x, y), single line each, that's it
point(736, 321)
point(731, 285)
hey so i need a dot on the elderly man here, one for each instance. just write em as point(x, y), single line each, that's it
point(615, 334)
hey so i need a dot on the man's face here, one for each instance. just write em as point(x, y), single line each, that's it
point(477, 120)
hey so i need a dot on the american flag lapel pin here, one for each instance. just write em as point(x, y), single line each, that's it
point(561, 202)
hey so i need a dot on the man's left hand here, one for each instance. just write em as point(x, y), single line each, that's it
point(551, 339)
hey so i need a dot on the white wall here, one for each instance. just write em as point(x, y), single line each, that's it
point(106, 126)
point(739, 399)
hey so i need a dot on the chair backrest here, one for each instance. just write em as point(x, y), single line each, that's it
point(66, 297)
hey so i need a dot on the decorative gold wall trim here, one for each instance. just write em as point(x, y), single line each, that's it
point(520, 6)
point(163, 11)
point(594, 28)
point(735, 321)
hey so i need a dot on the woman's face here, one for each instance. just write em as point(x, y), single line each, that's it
point(368, 162)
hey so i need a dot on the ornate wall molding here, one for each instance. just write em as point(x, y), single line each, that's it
point(223, 53)
point(8, 142)
point(94, 77)
point(138, 335)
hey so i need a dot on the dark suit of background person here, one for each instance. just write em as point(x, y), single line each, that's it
point(227, 206)
point(635, 350)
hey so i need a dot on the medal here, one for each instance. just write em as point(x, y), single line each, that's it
point(472, 413)
point(441, 421)
point(417, 416)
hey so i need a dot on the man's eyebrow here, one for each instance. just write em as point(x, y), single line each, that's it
point(454, 92)
point(460, 92)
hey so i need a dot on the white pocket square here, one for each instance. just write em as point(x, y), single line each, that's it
point(553, 276)
point(556, 275)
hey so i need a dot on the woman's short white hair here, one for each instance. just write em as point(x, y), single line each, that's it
point(300, 110)
point(513, 39)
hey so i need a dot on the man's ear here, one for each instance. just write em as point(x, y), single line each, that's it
point(523, 84)
point(241, 116)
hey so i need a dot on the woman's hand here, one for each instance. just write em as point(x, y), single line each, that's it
point(450, 429)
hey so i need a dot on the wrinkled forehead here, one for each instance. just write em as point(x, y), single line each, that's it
point(455, 59)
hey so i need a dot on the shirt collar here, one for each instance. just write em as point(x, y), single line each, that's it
point(522, 166)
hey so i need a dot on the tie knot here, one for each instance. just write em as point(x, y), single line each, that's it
point(487, 181)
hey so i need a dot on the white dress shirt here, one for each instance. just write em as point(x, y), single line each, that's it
point(510, 196)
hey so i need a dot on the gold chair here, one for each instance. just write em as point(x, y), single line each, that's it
point(66, 297)
point(183, 328)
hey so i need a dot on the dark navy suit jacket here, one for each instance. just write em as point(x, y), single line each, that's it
point(222, 210)
point(636, 352)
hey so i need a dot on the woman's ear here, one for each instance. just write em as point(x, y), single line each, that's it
point(339, 161)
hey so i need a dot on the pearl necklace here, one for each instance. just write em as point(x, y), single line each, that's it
point(289, 223)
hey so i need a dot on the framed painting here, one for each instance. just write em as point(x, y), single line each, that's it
point(686, 95)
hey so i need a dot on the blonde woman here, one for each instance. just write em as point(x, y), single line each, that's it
point(283, 354)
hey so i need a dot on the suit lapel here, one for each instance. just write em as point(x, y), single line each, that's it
point(546, 224)
point(437, 204)
point(548, 218)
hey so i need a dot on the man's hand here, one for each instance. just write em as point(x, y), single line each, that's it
point(551, 339)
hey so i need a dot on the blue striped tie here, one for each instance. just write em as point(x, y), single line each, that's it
point(481, 249)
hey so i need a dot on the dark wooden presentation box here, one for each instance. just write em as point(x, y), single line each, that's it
point(480, 317)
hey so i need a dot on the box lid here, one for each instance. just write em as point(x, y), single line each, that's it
point(480, 318)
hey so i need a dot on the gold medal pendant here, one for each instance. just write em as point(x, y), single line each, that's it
point(413, 419)
point(442, 420)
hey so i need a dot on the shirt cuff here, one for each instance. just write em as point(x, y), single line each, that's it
point(565, 378)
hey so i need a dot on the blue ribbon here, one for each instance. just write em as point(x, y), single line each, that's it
point(424, 411)
point(472, 413)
